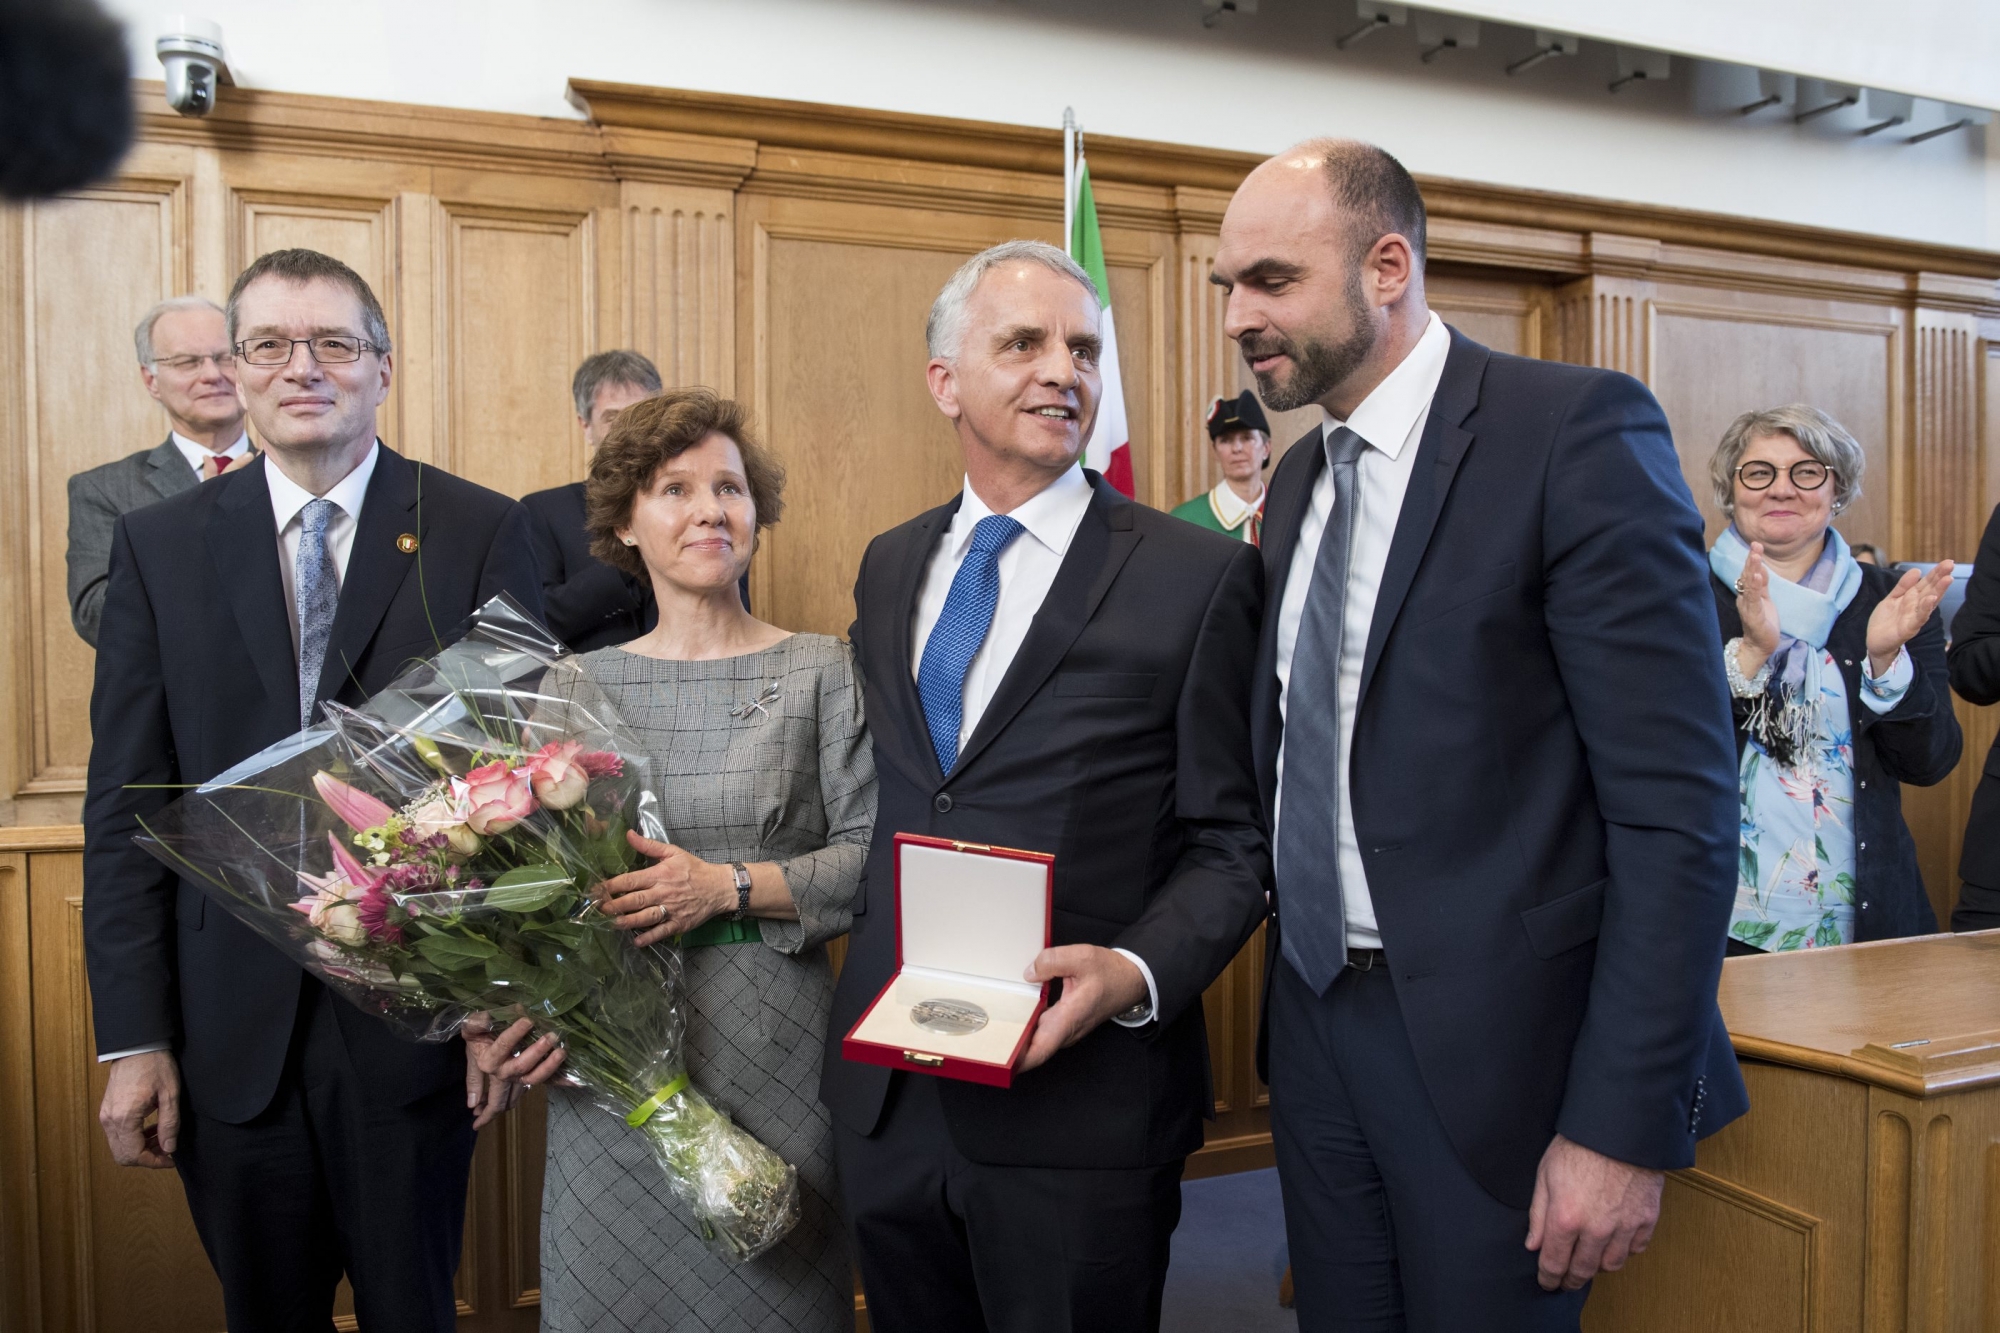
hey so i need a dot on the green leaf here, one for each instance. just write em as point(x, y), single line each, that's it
point(1828, 933)
point(1843, 884)
point(1819, 850)
point(566, 933)
point(528, 888)
point(1746, 866)
point(1754, 933)
point(455, 952)
point(1793, 938)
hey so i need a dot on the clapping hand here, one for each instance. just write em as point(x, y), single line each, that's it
point(1897, 617)
point(1758, 613)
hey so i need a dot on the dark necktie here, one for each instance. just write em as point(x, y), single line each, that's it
point(961, 627)
point(316, 594)
point(1308, 853)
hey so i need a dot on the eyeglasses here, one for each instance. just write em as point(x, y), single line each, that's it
point(327, 349)
point(183, 365)
point(1807, 475)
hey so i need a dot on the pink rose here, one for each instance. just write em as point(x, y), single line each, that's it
point(499, 797)
point(446, 813)
point(560, 779)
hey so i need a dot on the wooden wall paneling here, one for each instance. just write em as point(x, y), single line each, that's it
point(118, 1246)
point(516, 313)
point(1508, 312)
point(863, 445)
point(1139, 268)
point(1715, 354)
point(523, 1136)
point(1945, 517)
point(92, 265)
point(20, 1215)
point(679, 288)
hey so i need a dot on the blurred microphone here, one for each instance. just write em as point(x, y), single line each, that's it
point(65, 96)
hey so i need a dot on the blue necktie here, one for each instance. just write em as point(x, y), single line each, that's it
point(961, 627)
point(316, 595)
point(1314, 933)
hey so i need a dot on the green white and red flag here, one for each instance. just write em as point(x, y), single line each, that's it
point(1109, 449)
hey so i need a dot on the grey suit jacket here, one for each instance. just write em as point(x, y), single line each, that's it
point(96, 499)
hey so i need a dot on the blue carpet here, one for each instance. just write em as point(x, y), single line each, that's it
point(1229, 1254)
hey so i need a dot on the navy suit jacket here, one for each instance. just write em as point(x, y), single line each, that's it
point(195, 673)
point(590, 605)
point(1543, 771)
point(1119, 741)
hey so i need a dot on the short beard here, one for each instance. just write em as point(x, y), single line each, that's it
point(1318, 367)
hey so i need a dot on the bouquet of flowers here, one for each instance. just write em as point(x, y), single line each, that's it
point(433, 854)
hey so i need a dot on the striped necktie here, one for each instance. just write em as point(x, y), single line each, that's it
point(1314, 930)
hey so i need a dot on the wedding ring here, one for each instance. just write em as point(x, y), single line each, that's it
point(663, 914)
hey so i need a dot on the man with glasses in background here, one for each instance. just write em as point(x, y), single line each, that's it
point(311, 1140)
point(185, 363)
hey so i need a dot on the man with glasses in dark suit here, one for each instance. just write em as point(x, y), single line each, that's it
point(186, 365)
point(311, 1140)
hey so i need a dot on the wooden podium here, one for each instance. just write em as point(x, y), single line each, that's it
point(1862, 1190)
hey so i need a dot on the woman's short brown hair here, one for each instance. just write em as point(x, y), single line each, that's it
point(645, 438)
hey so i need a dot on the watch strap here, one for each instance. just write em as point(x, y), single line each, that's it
point(741, 874)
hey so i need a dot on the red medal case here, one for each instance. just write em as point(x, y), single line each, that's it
point(969, 920)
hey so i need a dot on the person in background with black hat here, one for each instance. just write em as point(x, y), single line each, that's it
point(1241, 438)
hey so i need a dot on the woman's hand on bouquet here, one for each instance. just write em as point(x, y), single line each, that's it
point(676, 893)
point(498, 1065)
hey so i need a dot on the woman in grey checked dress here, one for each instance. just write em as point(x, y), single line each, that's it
point(762, 761)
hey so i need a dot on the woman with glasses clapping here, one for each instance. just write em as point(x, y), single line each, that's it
point(1837, 672)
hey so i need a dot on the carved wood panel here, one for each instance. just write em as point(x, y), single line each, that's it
point(518, 296)
point(91, 266)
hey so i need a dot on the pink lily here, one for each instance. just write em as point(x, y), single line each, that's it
point(356, 808)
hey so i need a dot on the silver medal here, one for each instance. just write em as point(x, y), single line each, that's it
point(953, 1018)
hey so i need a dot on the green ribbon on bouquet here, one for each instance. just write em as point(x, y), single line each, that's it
point(647, 1109)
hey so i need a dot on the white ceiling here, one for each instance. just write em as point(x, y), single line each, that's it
point(1948, 50)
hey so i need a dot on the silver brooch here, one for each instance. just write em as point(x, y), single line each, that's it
point(760, 704)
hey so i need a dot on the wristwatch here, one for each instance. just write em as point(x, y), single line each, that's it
point(741, 874)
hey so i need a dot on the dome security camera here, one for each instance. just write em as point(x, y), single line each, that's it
point(191, 51)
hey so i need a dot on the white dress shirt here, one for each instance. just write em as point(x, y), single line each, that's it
point(197, 454)
point(1232, 508)
point(1027, 569)
point(1391, 420)
point(287, 499)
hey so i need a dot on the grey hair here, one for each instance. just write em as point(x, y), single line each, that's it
point(1816, 432)
point(142, 337)
point(946, 327)
point(618, 366)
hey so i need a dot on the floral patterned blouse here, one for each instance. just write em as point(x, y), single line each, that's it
point(1795, 860)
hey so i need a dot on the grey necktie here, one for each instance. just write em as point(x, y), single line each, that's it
point(1308, 859)
point(316, 593)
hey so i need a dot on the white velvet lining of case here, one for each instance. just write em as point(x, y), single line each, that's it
point(971, 925)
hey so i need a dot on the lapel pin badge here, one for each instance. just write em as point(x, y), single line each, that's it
point(407, 543)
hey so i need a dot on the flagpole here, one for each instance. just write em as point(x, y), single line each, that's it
point(1069, 181)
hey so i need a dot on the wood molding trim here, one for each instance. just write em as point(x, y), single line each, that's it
point(813, 127)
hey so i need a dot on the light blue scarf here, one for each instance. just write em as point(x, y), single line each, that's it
point(1786, 718)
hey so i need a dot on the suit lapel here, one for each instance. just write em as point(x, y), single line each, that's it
point(893, 622)
point(1290, 495)
point(1104, 540)
point(243, 550)
point(1439, 453)
point(376, 566)
point(167, 471)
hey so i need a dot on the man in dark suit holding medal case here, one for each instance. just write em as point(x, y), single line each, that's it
point(311, 1140)
point(1053, 668)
